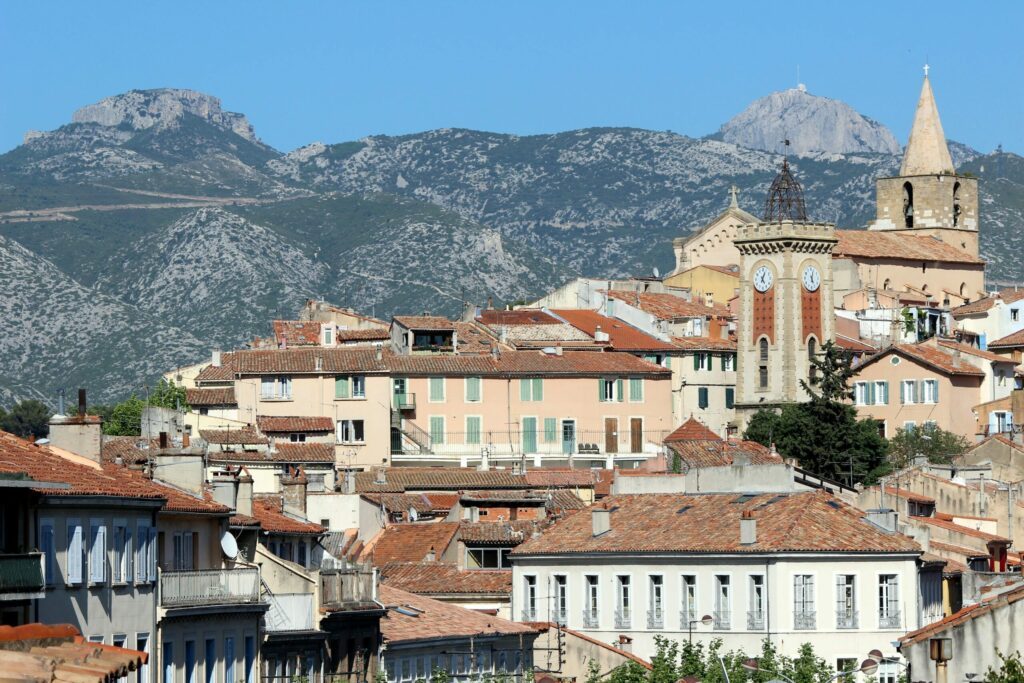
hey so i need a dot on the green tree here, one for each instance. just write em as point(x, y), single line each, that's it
point(1011, 670)
point(831, 372)
point(27, 418)
point(936, 444)
point(125, 418)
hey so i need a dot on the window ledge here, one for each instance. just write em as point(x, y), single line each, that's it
point(274, 399)
point(350, 443)
point(351, 398)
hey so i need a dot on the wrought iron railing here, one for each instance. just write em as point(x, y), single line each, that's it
point(889, 620)
point(755, 620)
point(545, 440)
point(687, 618)
point(722, 620)
point(21, 573)
point(210, 587)
point(656, 618)
point(591, 618)
point(846, 619)
point(529, 614)
point(623, 618)
point(805, 621)
point(404, 401)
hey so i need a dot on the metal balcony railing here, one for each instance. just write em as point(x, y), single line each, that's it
point(686, 618)
point(561, 617)
point(723, 620)
point(404, 401)
point(805, 621)
point(290, 612)
point(529, 614)
point(347, 589)
point(889, 620)
point(591, 618)
point(210, 587)
point(656, 618)
point(623, 618)
point(21, 573)
point(546, 440)
point(755, 620)
point(847, 619)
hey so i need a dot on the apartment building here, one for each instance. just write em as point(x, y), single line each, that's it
point(797, 568)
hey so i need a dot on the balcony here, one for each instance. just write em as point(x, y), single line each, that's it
point(688, 619)
point(404, 402)
point(206, 587)
point(805, 621)
point(528, 614)
point(348, 589)
point(656, 618)
point(623, 618)
point(561, 617)
point(889, 620)
point(755, 620)
point(290, 612)
point(21, 576)
point(846, 620)
point(591, 618)
point(722, 620)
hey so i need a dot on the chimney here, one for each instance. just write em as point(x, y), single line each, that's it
point(883, 518)
point(215, 360)
point(293, 489)
point(81, 402)
point(490, 303)
point(431, 555)
point(225, 487)
point(243, 500)
point(517, 467)
point(79, 434)
point(495, 352)
point(319, 364)
point(600, 335)
point(558, 349)
point(379, 353)
point(485, 461)
point(601, 519)
point(380, 476)
point(748, 528)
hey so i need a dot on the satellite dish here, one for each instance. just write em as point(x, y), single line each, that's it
point(657, 273)
point(229, 545)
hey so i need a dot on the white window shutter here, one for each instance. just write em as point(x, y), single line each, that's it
point(187, 551)
point(151, 553)
point(74, 558)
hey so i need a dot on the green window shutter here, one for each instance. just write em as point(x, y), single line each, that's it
point(871, 393)
point(696, 361)
point(538, 388)
point(529, 435)
point(619, 388)
point(341, 385)
point(550, 429)
point(668, 362)
point(918, 391)
point(723, 362)
point(636, 389)
point(730, 397)
point(473, 430)
point(936, 385)
point(436, 388)
point(524, 390)
point(885, 392)
point(702, 397)
point(436, 430)
point(473, 389)
point(600, 390)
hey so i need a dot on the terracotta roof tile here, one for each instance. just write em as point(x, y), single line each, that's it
point(705, 343)
point(812, 521)
point(720, 453)
point(283, 452)
point(127, 448)
point(980, 608)
point(905, 494)
point(927, 355)
point(1010, 340)
point(521, 316)
point(297, 332)
point(621, 336)
point(880, 244)
point(244, 436)
point(214, 396)
point(400, 479)
point(691, 430)
point(403, 502)
point(269, 511)
point(424, 322)
point(497, 533)
point(375, 334)
point(472, 339)
point(851, 344)
point(668, 306)
point(411, 542)
point(435, 578)
point(268, 424)
point(434, 620)
point(542, 477)
point(39, 652)
point(975, 351)
point(1009, 295)
point(960, 529)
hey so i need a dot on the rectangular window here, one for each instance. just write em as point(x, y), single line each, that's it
point(908, 392)
point(636, 389)
point(702, 397)
point(550, 429)
point(624, 601)
point(529, 598)
point(561, 599)
point(755, 600)
point(591, 603)
point(342, 387)
point(142, 645)
point(846, 601)
point(803, 601)
point(610, 390)
point(730, 397)
point(473, 429)
point(1015, 314)
point(250, 658)
point(190, 661)
point(930, 391)
point(656, 601)
point(688, 606)
point(97, 551)
point(351, 431)
point(276, 387)
point(728, 362)
point(74, 556)
point(210, 665)
point(909, 426)
point(358, 386)
point(762, 377)
point(229, 659)
point(437, 430)
point(122, 552)
point(531, 389)
point(141, 552)
point(168, 659)
point(436, 389)
point(861, 393)
point(723, 602)
point(888, 601)
point(487, 558)
point(472, 390)
point(267, 387)
point(881, 393)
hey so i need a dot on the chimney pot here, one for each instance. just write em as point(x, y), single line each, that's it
point(81, 402)
point(748, 528)
point(601, 520)
point(215, 358)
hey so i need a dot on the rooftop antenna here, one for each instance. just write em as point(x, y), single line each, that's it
point(799, 84)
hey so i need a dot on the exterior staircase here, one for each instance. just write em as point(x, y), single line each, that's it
point(411, 432)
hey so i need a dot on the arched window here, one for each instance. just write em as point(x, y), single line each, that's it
point(762, 366)
point(812, 350)
point(887, 285)
point(956, 204)
point(908, 205)
point(963, 289)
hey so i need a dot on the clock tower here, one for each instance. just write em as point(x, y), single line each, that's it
point(785, 299)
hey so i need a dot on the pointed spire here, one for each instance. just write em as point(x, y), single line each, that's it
point(926, 151)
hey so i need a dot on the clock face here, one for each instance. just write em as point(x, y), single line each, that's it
point(812, 278)
point(763, 279)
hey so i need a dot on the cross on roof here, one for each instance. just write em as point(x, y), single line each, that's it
point(926, 67)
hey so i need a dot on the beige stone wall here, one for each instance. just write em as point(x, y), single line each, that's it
point(687, 382)
point(701, 281)
point(710, 246)
point(933, 205)
point(929, 276)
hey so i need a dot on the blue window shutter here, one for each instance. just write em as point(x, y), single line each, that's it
point(550, 429)
point(97, 553)
point(46, 545)
point(538, 388)
point(730, 397)
point(151, 554)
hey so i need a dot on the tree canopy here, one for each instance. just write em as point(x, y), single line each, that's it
point(26, 418)
point(125, 418)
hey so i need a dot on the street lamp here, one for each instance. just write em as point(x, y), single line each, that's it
point(940, 651)
point(706, 620)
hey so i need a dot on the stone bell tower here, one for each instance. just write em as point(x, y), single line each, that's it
point(929, 197)
point(785, 299)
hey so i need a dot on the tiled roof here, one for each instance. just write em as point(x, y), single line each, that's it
point(1008, 295)
point(507, 364)
point(851, 344)
point(411, 542)
point(424, 322)
point(374, 334)
point(472, 339)
point(975, 351)
point(183, 501)
point(705, 343)
point(522, 316)
point(297, 332)
point(43, 653)
point(436, 578)
point(217, 373)
point(960, 529)
point(927, 355)
point(690, 430)
point(1013, 339)
point(563, 500)
point(668, 306)
point(269, 511)
point(956, 549)
point(401, 479)
point(541, 335)
point(266, 423)
point(720, 453)
point(621, 336)
point(905, 494)
point(402, 502)
point(127, 448)
point(244, 436)
point(497, 533)
point(980, 608)
point(559, 477)
point(431, 619)
point(727, 270)
point(881, 244)
point(214, 396)
point(308, 452)
point(812, 521)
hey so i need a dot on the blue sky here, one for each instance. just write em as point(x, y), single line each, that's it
point(338, 71)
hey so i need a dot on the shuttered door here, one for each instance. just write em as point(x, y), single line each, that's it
point(611, 435)
point(636, 435)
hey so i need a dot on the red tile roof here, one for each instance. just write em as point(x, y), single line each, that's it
point(668, 306)
point(403, 502)
point(43, 653)
point(400, 479)
point(905, 494)
point(435, 620)
point(521, 316)
point(497, 533)
point(705, 343)
point(424, 322)
point(214, 396)
point(473, 340)
point(721, 453)
point(546, 477)
point(880, 244)
point(411, 542)
point(297, 332)
point(267, 424)
point(1010, 340)
point(812, 521)
point(980, 608)
point(436, 578)
point(375, 334)
point(621, 336)
point(1009, 295)
point(690, 430)
point(960, 529)
point(975, 351)
point(927, 355)
point(851, 344)
point(243, 436)
point(269, 511)
point(281, 452)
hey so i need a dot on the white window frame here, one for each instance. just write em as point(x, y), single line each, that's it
point(728, 362)
point(687, 611)
point(357, 387)
point(656, 594)
point(755, 602)
point(530, 596)
point(860, 393)
point(624, 595)
point(613, 397)
point(723, 598)
point(884, 604)
point(560, 594)
point(929, 391)
point(592, 594)
point(97, 557)
point(881, 392)
point(280, 387)
point(805, 596)
point(908, 392)
point(346, 431)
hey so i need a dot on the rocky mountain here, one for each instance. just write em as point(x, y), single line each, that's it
point(811, 123)
point(166, 227)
